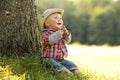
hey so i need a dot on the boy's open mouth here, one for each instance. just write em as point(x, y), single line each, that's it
point(58, 23)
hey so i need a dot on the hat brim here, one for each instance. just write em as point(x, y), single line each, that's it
point(61, 11)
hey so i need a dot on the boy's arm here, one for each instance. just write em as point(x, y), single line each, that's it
point(53, 38)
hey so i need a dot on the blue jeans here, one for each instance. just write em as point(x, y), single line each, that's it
point(60, 65)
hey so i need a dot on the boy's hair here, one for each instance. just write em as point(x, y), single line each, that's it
point(48, 12)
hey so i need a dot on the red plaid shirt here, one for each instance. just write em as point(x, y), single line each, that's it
point(57, 50)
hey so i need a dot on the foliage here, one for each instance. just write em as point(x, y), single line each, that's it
point(90, 21)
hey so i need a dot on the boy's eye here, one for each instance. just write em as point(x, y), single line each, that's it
point(56, 17)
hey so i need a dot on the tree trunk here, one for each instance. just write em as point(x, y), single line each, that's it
point(19, 30)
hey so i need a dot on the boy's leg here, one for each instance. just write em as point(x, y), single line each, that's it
point(70, 65)
point(59, 67)
point(56, 64)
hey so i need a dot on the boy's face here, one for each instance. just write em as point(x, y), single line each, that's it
point(54, 22)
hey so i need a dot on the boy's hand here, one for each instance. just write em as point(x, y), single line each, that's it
point(62, 32)
point(65, 31)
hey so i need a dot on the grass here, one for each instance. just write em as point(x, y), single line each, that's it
point(30, 68)
point(102, 62)
point(96, 62)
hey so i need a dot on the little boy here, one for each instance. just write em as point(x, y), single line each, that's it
point(55, 36)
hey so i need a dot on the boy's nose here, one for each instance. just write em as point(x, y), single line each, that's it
point(59, 19)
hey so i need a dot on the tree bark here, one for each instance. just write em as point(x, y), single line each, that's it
point(19, 29)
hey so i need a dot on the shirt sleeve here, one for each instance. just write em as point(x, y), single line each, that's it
point(52, 38)
point(45, 38)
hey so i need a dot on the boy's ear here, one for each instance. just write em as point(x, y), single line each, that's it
point(46, 23)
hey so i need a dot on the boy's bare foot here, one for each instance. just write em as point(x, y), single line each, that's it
point(77, 71)
point(69, 73)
